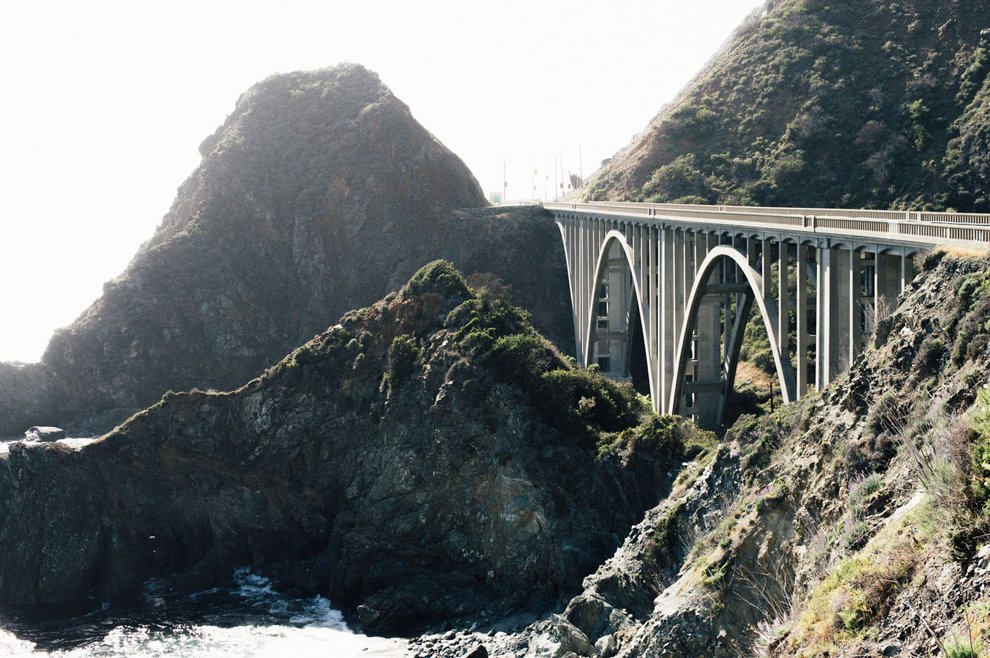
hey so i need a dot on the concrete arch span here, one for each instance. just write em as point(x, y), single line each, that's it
point(725, 288)
point(617, 310)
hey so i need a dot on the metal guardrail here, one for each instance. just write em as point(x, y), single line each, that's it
point(848, 213)
point(933, 228)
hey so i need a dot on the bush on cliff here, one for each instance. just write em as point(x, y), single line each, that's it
point(439, 277)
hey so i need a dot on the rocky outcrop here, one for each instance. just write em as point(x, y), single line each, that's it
point(25, 397)
point(319, 194)
point(429, 458)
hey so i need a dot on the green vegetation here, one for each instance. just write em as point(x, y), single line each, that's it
point(963, 648)
point(662, 546)
point(438, 277)
point(828, 103)
point(973, 329)
point(402, 357)
point(574, 400)
point(980, 464)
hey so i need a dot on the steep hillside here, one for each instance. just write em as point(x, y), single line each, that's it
point(847, 103)
point(320, 193)
point(849, 524)
point(427, 458)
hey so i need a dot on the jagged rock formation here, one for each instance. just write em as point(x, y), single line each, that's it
point(429, 457)
point(320, 193)
point(836, 103)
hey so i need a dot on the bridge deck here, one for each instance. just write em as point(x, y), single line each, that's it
point(891, 226)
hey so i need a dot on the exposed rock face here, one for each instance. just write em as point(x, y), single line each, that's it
point(428, 458)
point(24, 397)
point(827, 103)
point(319, 194)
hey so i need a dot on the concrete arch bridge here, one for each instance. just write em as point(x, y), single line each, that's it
point(663, 292)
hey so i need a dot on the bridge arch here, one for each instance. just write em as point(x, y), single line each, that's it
point(724, 342)
point(634, 310)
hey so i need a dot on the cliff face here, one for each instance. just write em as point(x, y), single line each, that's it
point(429, 457)
point(319, 194)
point(826, 103)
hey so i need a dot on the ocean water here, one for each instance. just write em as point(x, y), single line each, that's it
point(246, 619)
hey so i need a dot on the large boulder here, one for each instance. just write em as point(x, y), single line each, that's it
point(43, 433)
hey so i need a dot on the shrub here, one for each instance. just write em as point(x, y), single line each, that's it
point(492, 316)
point(439, 277)
point(930, 355)
point(963, 648)
point(885, 415)
point(402, 356)
point(608, 405)
point(980, 461)
point(662, 545)
point(523, 358)
point(661, 435)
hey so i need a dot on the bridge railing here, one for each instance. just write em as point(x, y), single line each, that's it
point(848, 213)
point(881, 223)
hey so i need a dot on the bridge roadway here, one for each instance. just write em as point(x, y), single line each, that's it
point(674, 285)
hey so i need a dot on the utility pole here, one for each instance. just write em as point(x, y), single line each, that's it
point(505, 184)
point(533, 178)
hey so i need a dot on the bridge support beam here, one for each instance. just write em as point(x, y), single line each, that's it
point(801, 316)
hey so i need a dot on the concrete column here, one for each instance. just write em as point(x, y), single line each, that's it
point(667, 314)
point(658, 401)
point(907, 272)
point(822, 325)
point(766, 260)
point(855, 303)
point(888, 284)
point(700, 250)
point(658, 312)
point(839, 313)
point(678, 286)
point(801, 313)
point(708, 368)
point(783, 300)
point(579, 274)
point(879, 262)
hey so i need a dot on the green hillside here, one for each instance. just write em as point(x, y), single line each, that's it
point(854, 103)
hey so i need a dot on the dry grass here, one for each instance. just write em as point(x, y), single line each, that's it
point(858, 591)
point(974, 253)
point(747, 372)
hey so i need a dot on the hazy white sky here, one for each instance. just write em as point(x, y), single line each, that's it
point(105, 105)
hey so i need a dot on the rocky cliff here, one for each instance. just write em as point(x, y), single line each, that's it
point(849, 524)
point(428, 458)
point(320, 193)
point(836, 103)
